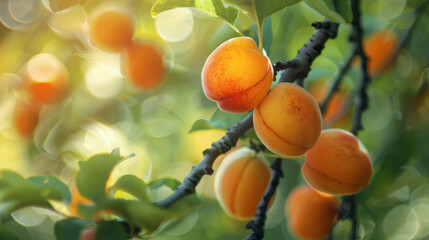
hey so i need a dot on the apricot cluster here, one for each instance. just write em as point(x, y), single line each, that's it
point(112, 29)
point(338, 164)
point(240, 183)
point(310, 214)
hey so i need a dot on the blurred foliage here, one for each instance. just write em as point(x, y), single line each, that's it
point(101, 110)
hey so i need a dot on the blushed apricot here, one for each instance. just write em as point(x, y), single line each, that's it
point(26, 118)
point(337, 106)
point(240, 183)
point(310, 215)
point(380, 49)
point(46, 78)
point(236, 75)
point(111, 29)
point(288, 120)
point(142, 63)
point(338, 164)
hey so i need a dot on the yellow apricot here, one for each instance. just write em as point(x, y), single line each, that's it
point(310, 215)
point(46, 78)
point(240, 183)
point(338, 164)
point(142, 63)
point(288, 121)
point(111, 29)
point(236, 75)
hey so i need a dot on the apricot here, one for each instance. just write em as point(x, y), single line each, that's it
point(26, 118)
point(236, 75)
point(240, 183)
point(310, 215)
point(87, 234)
point(142, 63)
point(380, 49)
point(46, 77)
point(111, 29)
point(338, 164)
point(288, 120)
point(337, 106)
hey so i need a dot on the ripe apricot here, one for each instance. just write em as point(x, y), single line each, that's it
point(310, 215)
point(338, 164)
point(87, 234)
point(46, 78)
point(26, 118)
point(142, 63)
point(288, 120)
point(111, 29)
point(236, 75)
point(337, 106)
point(380, 49)
point(240, 183)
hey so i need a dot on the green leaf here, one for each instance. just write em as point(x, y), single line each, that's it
point(201, 124)
point(7, 234)
point(132, 185)
point(214, 8)
point(335, 10)
point(415, 3)
point(59, 5)
point(69, 229)
point(110, 230)
point(52, 182)
point(225, 120)
point(168, 182)
point(26, 194)
point(267, 37)
point(94, 173)
point(8, 178)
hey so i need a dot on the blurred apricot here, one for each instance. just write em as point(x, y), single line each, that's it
point(288, 121)
point(87, 234)
point(26, 118)
point(142, 63)
point(240, 183)
point(46, 78)
point(337, 106)
point(236, 75)
point(310, 215)
point(111, 29)
point(338, 164)
point(380, 49)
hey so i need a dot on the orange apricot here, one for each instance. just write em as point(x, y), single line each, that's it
point(87, 234)
point(240, 183)
point(338, 164)
point(26, 118)
point(337, 106)
point(310, 215)
point(236, 75)
point(142, 63)
point(288, 121)
point(46, 78)
point(111, 29)
point(380, 49)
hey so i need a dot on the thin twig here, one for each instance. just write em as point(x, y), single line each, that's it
point(258, 222)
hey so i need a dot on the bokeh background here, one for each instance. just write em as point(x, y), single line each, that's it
point(101, 110)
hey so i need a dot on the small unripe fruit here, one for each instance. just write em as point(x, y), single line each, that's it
point(240, 183)
point(236, 75)
point(288, 121)
point(111, 29)
point(142, 63)
point(338, 164)
point(310, 215)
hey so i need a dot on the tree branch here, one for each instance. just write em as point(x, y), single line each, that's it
point(257, 224)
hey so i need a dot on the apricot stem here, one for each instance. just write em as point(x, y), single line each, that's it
point(258, 222)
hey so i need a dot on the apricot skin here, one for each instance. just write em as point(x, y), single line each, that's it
point(240, 183)
point(288, 121)
point(26, 118)
point(142, 63)
point(380, 48)
point(236, 75)
point(111, 30)
point(309, 214)
point(337, 164)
